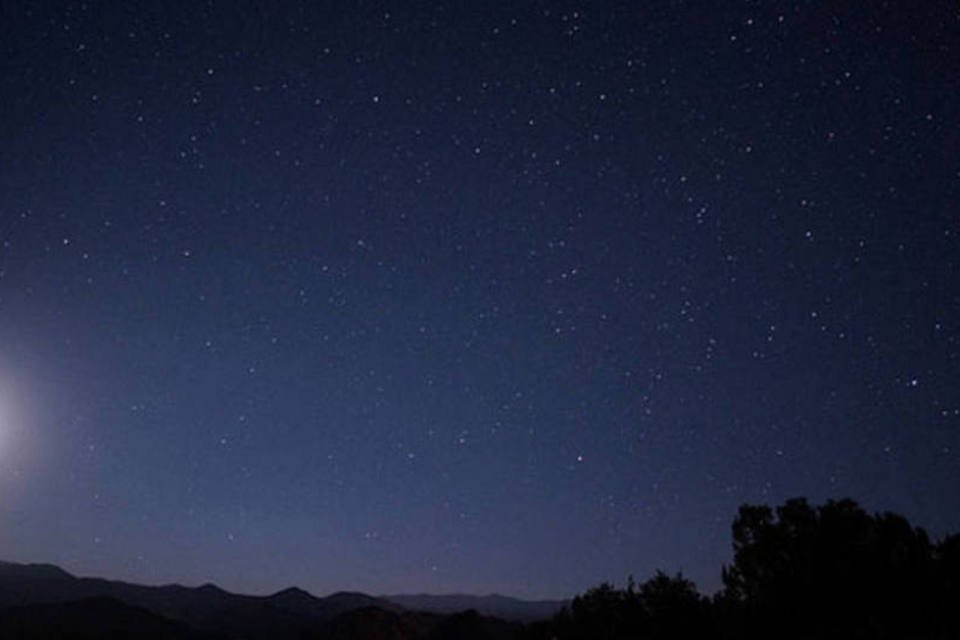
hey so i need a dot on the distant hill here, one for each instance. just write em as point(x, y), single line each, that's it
point(43, 601)
point(494, 605)
point(299, 602)
point(377, 624)
point(207, 608)
point(90, 619)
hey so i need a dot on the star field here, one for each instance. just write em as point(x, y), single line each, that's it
point(405, 297)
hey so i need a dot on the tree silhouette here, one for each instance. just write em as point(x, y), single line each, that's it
point(830, 571)
point(947, 555)
point(604, 613)
point(798, 572)
point(673, 608)
point(663, 608)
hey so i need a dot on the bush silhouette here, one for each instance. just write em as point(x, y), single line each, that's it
point(830, 571)
point(798, 572)
point(663, 608)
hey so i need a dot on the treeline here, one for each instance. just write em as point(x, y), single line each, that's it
point(798, 572)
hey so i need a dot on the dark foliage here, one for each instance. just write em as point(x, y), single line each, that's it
point(798, 572)
point(662, 608)
point(833, 571)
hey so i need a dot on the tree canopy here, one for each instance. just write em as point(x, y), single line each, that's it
point(798, 572)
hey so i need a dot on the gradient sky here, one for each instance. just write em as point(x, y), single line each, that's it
point(469, 297)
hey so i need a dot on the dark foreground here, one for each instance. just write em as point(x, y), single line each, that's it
point(798, 572)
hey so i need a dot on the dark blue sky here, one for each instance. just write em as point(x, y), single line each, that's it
point(508, 297)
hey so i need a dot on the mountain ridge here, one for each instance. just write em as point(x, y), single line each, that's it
point(33, 595)
point(493, 604)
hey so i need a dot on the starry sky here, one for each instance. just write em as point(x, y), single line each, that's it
point(469, 297)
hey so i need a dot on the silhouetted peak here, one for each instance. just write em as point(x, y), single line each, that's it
point(291, 594)
point(353, 597)
point(493, 604)
point(348, 600)
point(33, 571)
point(209, 587)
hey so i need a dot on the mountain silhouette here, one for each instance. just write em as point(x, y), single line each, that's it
point(302, 603)
point(43, 601)
point(799, 572)
point(89, 619)
point(494, 605)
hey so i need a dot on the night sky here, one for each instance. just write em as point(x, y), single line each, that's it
point(469, 297)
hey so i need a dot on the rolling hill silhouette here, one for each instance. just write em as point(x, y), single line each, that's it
point(799, 572)
point(92, 618)
point(44, 601)
point(493, 605)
